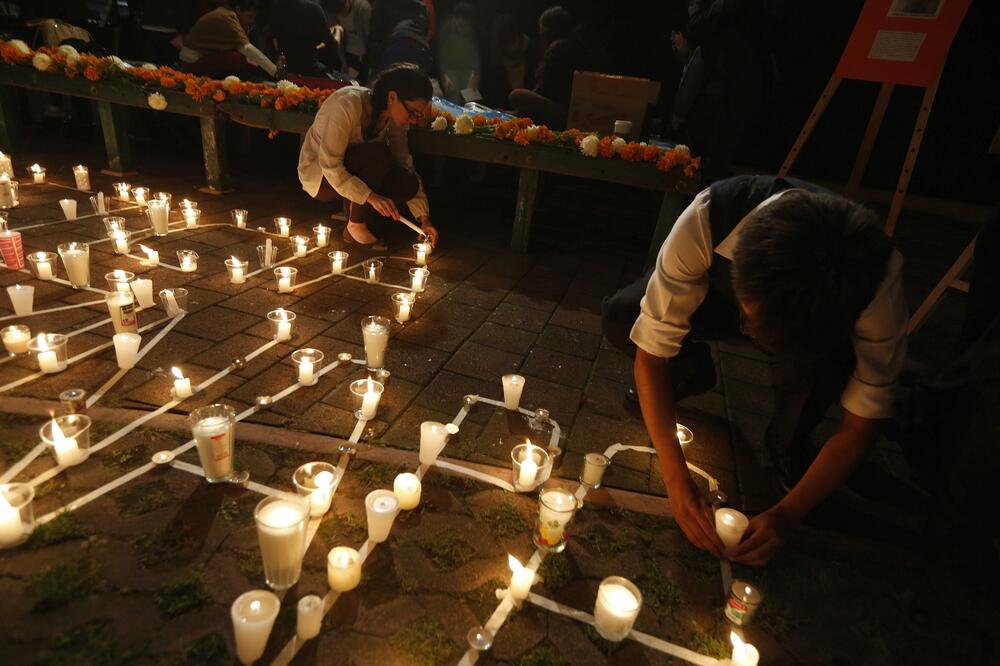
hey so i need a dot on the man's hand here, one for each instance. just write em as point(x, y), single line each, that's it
point(429, 230)
point(765, 536)
point(384, 205)
point(694, 515)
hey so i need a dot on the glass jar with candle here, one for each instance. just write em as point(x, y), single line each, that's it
point(237, 269)
point(43, 264)
point(556, 508)
point(50, 351)
point(367, 393)
point(529, 461)
point(17, 515)
point(267, 254)
point(121, 241)
point(282, 320)
point(141, 195)
point(343, 569)
point(188, 260)
point(744, 599)
point(15, 338)
point(617, 606)
point(239, 217)
point(22, 298)
point(118, 280)
point(191, 216)
point(281, 531)
point(322, 235)
point(283, 226)
point(418, 279)
point(594, 466)
point(421, 251)
point(113, 223)
point(68, 437)
point(175, 301)
point(158, 212)
point(213, 428)
point(100, 203)
point(372, 269)
point(314, 481)
point(81, 175)
point(375, 334)
point(122, 190)
point(76, 259)
point(402, 306)
point(300, 245)
point(285, 277)
point(308, 363)
point(165, 197)
point(338, 261)
point(37, 173)
point(8, 193)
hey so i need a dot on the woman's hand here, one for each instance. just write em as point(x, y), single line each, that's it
point(767, 534)
point(429, 230)
point(384, 205)
point(694, 516)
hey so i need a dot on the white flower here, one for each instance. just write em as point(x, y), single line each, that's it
point(118, 62)
point(618, 144)
point(20, 46)
point(683, 150)
point(590, 145)
point(230, 81)
point(284, 85)
point(41, 62)
point(150, 65)
point(72, 55)
point(533, 132)
point(440, 124)
point(157, 101)
point(464, 124)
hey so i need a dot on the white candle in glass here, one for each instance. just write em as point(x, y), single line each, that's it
point(528, 472)
point(48, 361)
point(170, 303)
point(433, 437)
point(617, 607)
point(369, 401)
point(120, 241)
point(152, 256)
point(418, 279)
point(182, 384)
point(594, 466)
point(404, 311)
point(6, 167)
point(343, 569)
point(191, 216)
point(236, 275)
point(159, 216)
point(306, 372)
point(140, 194)
point(126, 349)
point(213, 437)
point(421, 252)
point(22, 298)
point(321, 497)
point(337, 262)
point(143, 290)
point(82, 176)
point(555, 509)
point(284, 282)
point(513, 385)
point(6, 192)
point(189, 263)
point(376, 338)
point(284, 327)
point(253, 615)
point(381, 507)
point(301, 244)
point(68, 208)
point(121, 307)
point(744, 654)
point(281, 531)
point(730, 524)
point(44, 268)
point(284, 226)
point(322, 235)
point(239, 216)
point(15, 339)
point(521, 579)
point(122, 189)
point(37, 174)
point(11, 527)
point(66, 449)
point(309, 618)
point(406, 487)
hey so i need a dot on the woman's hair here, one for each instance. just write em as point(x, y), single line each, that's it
point(406, 79)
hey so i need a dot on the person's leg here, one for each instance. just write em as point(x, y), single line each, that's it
point(372, 163)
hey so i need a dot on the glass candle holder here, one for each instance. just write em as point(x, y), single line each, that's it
point(175, 301)
point(372, 269)
point(308, 362)
point(281, 531)
point(113, 223)
point(239, 216)
point(594, 466)
point(375, 333)
point(338, 261)
point(315, 482)
point(433, 437)
point(191, 216)
point(684, 435)
point(43, 264)
point(556, 508)
point(37, 173)
point(188, 260)
point(141, 195)
point(76, 259)
point(9, 195)
point(282, 320)
point(343, 569)
point(74, 400)
point(285, 277)
point(150, 256)
point(50, 351)
point(68, 437)
point(418, 279)
point(513, 385)
point(100, 204)
point(165, 197)
point(213, 428)
point(618, 604)
point(82, 177)
point(381, 507)
point(22, 299)
point(126, 348)
point(121, 241)
point(367, 393)
point(118, 280)
point(15, 338)
point(158, 212)
point(17, 515)
point(420, 252)
point(237, 270)
point(187, 204)
point(121, 191)
point(253, 614)
point(322, 233)
point(529, 463)
point(402, 306)
point(283, 226)
point(267, 254)
point(300, 245)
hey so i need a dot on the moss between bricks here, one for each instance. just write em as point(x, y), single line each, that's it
point(208, 650)
point(13, 450)
point(658, 591)
point(600, 541)
point(605, 646)
point(62, 583)
point(346, 529)
point(541, 655)
point(447, 549)
point(127, 459)
point(482, 601)
point(90, 643)
point(143, 498)
point(376, 475)
point(709, 645)
point(504, 520)
point(556, 571)
point(163, 544)
point(182, 594)
point(423, 643)
point(63, 527)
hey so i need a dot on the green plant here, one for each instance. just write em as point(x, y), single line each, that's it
point(541, 655)
point(423, 643)
point(143, 498)
point(709, 645)
point(89, 643)
point(65, 526)
point(184, 593)
point(600, 541)
point(447, 549)
point(504, 520)
point(555, 571)
point(61, 583)
point(124, 460)
point(658, 591)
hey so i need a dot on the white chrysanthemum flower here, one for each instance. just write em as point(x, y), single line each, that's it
point(533, 132)
point(230, 81)
point(157, 101)
point(683, 150)
point(464, 124)
point(20, 46)
point(284, 85)
point(618, 144)
point(440, 124)
point(150, 65)
point(72, 55)
point(590, 145)
point(41, 62)
point(118, 62)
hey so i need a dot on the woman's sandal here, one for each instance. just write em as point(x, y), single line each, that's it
point(378, 245)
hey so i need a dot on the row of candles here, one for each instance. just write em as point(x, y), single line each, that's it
point(9, 186)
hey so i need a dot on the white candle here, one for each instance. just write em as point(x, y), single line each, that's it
point(188, 263)
point(513, 385)
point(337, 262)
point(381, 507)
point(417, 280)
point(66, 449)
point(306, 372)
point(140, 195)
point(68, 208)
point(343, 569)
point(122, 189)
point(48, 361)
point(121, 307)
point(239, 217)
point(170, 303)
point(284, 283)
point(744, 654)
point(37, 174)
point(309, 618)
point(284, 330)
point(22, 298)
point(121, 244)
point(371, 272)
point(406, 487)
point(421, 250)
point(6, 192)
point(594, 465)
point(253, 615)
point(555, 509)
point(301, 245)
point(281, 531)
point(521, 579)
point(191, 216)
point(322, 496)
point(369, 402)
point(376, 338)
point(616, 609)
point(527, 474)
point(284, 226)
point(82, 176)
point(11, 527)
point(182, 384)
point(143, 290)
point(213, 436)
point(15, 339)
point(152, 256)
point(159, 216)
point(322, 235)
point(730, 525)
point(126, 349)
point(44, 269)
point(433, 437)
point(6, 168)
point(268, 252)
point(236, 274)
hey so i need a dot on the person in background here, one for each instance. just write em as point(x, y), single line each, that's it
point(217, 44)
point(458, 54)
point(355, 18)
point(398, 33)
point(305, 37)
point(356, 150)
point(511, 63)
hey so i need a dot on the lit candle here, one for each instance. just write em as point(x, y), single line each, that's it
point(66, 449)
point(48, 361)
point(126, 349)
point(337, 260)
point(521, 579)
point(68, 208)
point(371, 272)
point(406, 488)
point(182, 384)
point(744, 598)
point(121, 307)
point(122, 189)
point(191, 216)
point(152, 256)
point(189, 260)
point(281, 532)
point(158, 212)
point(236, 274)
point(170, 303)
point(369, 402)
point(284, 326)
point(306, 377)
point(418, 278)
point(617, 606)
point(284, 225)
point(253, 615)
point(11, 527)
point(555, 510)
point(22, 298)
point(6, 168)
point(730, 525)
point(343, 569)
point(528, 472)
point(403, 303)
point(744, 654)
point(284, 281)
point(513, 385)
point(268, 253)
point(214, 437)
point(301, 244)
point(433, 437)
point(309, 618)
point(82, 176)
point(239, 217)
point(15, 339)
point(140, 194)
point(376, 338)
point(322, 495)
point(43, 266)
point(37, 174)
point(6, 192)
point(322, 235)
point(120, 241)
point(381, 507)
point(422, 250)
point(143, 290)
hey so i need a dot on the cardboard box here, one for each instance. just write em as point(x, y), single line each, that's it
point(598, 100)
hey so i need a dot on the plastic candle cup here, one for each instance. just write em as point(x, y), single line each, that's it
point(372, 269)
point(81, 175)
point(119, 280)
point(152, 256)
point(281, 532)
point(43, 264)
point(50, 351)
point(308, 361)
point(213, 428)
point(120, 241)
point(375, 333)
point(253, 614)
point(8, 192)
point(314, 482)
point(158, 212)
point(191, 216)
point(17, 516)
point(69, 438)
point(406, 487)
point(267, 253)
point(513, 385)
point(684, 435)
point(322, 235)
point(338, 260)
point(15, 338)
point(433, 437)
point(6, 167)
point(22, 298)
point(73, 401)
point(309, 617)
point(175, 301)
point(402, 306)
point(283, 226)
point(367, 393)
point(143, 290)
point(239, 217)
point(126, 349)
point(100, 203)
point(141, 194)
point(528, 460)
point(237, 270)
point(744, 654)
point(617, 607)
point(285, 275)
point(418, 279)
point(76, 259)
point(165, 197)
point(521, 579)
point(594, 466)
point(381, 507)
point(421, 251)
point(122, 190)
point(730, 524)
point(343, 569)
point(300, 245)
point(188, 260)
point(182, 385)
point(113, 223)
point(555, 510)
point(37, 172)
point(121, 308)
point(282, 320)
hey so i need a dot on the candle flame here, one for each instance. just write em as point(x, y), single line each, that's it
point(145, 249)
point(736, 640)
point(515, 564)
point(236, 261)
point(119, 274)
point(323, 480)
point(40, 256)
point(371, 386)
point(43, 343)
point(57, 434)
point(177, 372)
point(255, 606)
point(36, 168)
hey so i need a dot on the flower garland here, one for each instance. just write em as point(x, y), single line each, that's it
point(524, 132)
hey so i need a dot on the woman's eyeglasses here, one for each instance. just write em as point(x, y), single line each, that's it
point(414, 115)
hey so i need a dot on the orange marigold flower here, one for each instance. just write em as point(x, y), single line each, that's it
point(91, 73)
point(521, 138)
point(265, 102)
point(219, 96)
point(604, 147)
point(650, 153)
point(632, 152)
point(168, 81)
point(545, 135)
point(692, 168)
point(279, 104)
